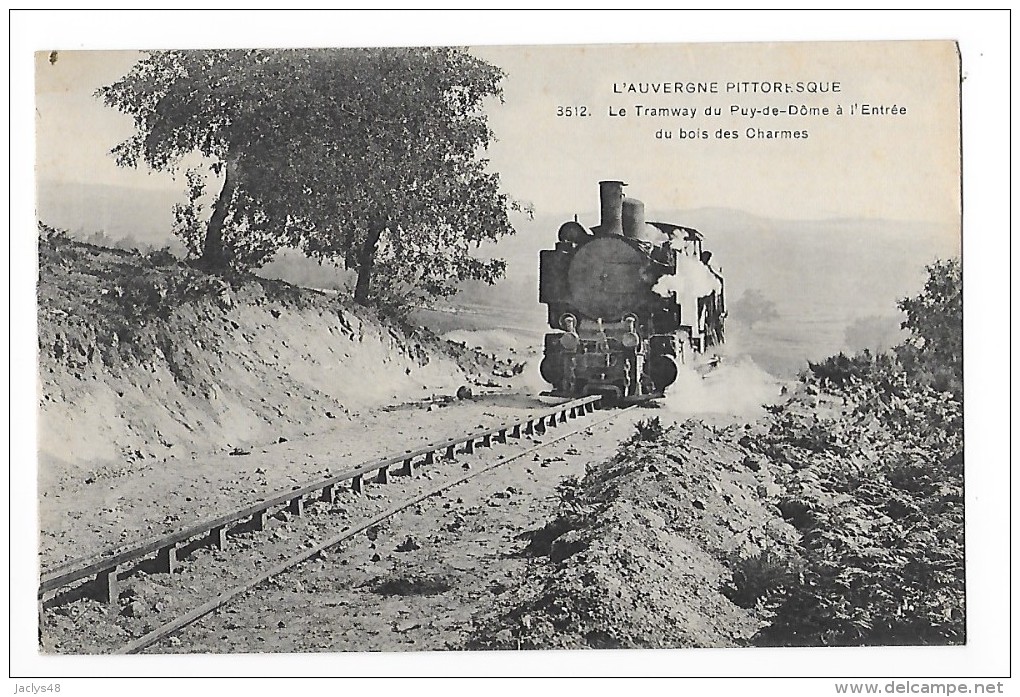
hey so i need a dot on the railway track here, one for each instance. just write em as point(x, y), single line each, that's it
point(103, 576)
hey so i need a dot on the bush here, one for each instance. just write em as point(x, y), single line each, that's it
point(155, 294)
point(842, 371)
point(648, 430)
point(50, 234)
point(761, 577)
point(883, 545)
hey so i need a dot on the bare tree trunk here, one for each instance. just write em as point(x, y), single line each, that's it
point(366, 260)
point(214, 257)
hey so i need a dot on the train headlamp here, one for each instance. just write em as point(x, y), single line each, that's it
point(630, 339)
point(568, 322)
point(569, 341)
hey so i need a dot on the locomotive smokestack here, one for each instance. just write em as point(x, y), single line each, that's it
point(611, 197)
point(633, 218)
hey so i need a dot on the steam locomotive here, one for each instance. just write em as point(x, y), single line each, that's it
point(630, 301)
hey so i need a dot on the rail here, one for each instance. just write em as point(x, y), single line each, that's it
point(106, 565)
point(165, 630)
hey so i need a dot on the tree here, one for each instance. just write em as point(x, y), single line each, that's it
point(934, 351)
point(752, 307)
point(368, 157)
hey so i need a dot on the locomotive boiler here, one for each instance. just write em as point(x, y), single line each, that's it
point(630, 300)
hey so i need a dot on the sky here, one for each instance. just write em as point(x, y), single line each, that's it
point(895, 167)
point(898, 167)
point(75, 131)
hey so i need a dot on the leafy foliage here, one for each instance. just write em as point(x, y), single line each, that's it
point(843, 371)
point(368, 157)
point(934, 351)
point(879, 496)
point(884, 540)
point(50, 234)
point(189, 218)
point(648, 430)
point(759, 577)
point(155, 294)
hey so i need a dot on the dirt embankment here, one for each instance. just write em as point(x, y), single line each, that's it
point(835, 520)
point(142, 357)
point(639, 554)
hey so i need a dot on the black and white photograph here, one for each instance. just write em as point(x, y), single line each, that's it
point(622, 350)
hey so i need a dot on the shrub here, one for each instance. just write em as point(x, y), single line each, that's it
point(759, 578)
point(842, 371)
point(648, 430)
point(883, 549)
point(48, 233)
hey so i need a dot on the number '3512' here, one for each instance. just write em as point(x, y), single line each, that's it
point(571, 111)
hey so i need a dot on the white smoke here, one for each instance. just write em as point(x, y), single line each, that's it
point(737, 390)
point(692, 279)
point(531, 381)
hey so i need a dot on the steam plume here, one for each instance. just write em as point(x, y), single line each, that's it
point(737, 390)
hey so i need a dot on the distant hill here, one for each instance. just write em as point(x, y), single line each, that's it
point(143, 215)
point(861, 265)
